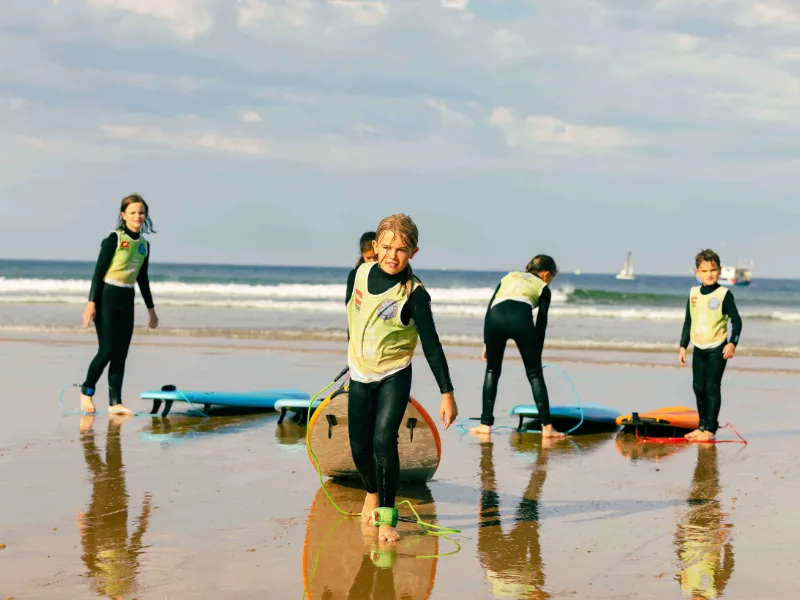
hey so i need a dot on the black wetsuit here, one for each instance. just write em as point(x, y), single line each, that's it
point(113, 319)
point(708, 366)
point(513, 320)
point(375, 410)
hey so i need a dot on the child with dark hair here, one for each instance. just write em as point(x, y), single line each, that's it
point(366, 249)
point(708, 310)
point(510, 317)
point(122, 263)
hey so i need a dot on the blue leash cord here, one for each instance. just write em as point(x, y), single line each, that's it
point(461, 427)
point(102, 412)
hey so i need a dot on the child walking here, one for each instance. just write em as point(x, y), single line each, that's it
point(388, 311)
point(122, 263)
point(708, 310)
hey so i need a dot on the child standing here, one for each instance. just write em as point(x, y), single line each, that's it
point(510, 317)
point(708, 310)
point(123, 262)
point(388, 310)
point(366, 249)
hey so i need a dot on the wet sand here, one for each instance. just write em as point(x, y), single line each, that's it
point(230, 507)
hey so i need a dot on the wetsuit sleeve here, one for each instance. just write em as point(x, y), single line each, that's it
point(541, 318)
point(486, 318)
point(351, 283)
point(143, 279)
point(420, 302)
point(687, 327)
point(107, 250)
point(729, 309)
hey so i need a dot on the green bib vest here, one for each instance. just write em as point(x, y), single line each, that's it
point(380, 344)
point(128, 260)
point(519, 286)
point(709, 325)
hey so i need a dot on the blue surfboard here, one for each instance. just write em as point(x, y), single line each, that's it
point(263, 399)
point(297, 406)
point(596, 417)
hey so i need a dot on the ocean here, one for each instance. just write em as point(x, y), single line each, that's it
point(589, 311)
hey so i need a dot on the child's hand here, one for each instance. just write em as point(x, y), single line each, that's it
point(88, 314)
point(682, 356)
point(448, 410)
point(729, 351)
point(483, 353)
point(153, 318)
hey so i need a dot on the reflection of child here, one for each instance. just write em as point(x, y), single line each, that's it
point(708, 310)
point(367, 251)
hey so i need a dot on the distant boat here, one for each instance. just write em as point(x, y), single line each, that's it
point(576, 272)
point(735, 275)
point(627, 269)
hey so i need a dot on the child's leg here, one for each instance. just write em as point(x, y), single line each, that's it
point(699, 376)
point(392, 399)
point(104, 319)
point(123, 332)
point(361, 409)
point(495, 349)
point(715, 369)
point(530, 348)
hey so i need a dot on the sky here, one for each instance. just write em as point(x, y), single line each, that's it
point(277, 131)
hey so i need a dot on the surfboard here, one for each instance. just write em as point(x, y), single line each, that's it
point(339, 561)
point(596, 418)
point(418, 441)
point(297, 406)
point(264, 399)
point(670, 421)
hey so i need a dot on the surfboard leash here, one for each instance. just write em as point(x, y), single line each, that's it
point(683, 440)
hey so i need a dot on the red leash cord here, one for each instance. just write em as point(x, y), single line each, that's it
point(683, 440)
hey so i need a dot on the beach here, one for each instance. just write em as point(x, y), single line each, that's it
point(230, 506)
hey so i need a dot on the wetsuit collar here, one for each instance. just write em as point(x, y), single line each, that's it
point(130, 233)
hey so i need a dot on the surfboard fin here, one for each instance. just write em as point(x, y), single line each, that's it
point(332, 422)
point(411, 424)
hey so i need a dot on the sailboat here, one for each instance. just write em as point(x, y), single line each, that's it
point(627, 269)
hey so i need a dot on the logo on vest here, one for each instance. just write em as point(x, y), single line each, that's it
point(125, 245)
point(694, 299)
point(358, 300)
point(713, 304)
point(142, 249)
point(387, 309)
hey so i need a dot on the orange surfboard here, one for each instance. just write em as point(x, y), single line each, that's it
point(418, 441)
point(670, 420)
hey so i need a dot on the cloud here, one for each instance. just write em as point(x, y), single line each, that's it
point(547, 134)
point(455, 4)
point(185, 140)
point(250, 116)
point(188, 19)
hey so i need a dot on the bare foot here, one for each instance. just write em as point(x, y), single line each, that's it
point(119, 409)
point(86, 423)
point(87, 405)
point(481, 430)
point(387, 533)
point(705, 436)
point(549, 432)
point(693, 434)
point(370, 504)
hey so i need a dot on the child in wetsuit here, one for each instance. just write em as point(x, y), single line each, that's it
point(510, 317)
point(708, 310)
point(122, 263)
point(388, 310)
point(366, 249)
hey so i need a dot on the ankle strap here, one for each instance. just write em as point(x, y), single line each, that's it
point(384, 516)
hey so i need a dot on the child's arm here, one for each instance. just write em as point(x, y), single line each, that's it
point(107, 249)
point(685, 334)
point(351, 283)
point(420, 302)
point(541, 318)
point(143, 279)
point(729, 309)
